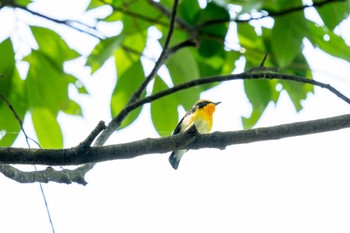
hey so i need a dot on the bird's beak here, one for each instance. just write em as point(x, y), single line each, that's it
point(217, 103)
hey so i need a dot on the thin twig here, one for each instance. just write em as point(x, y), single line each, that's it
point(116, 122)
point(68, 23)
point(161, 58)
point(91, 137)
point(113, 125)
point(182, 23)
point(19, 120)
point(181, 45)
point(9, 167)
point(262, 64)
point(269, 14)
point(242, 76)
point(46, 204)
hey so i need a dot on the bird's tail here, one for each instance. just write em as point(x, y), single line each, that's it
point(175, 157)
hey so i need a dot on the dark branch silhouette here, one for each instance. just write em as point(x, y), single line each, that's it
point(87, 155)
point(113, 125)
point(74, 24)
point(188, 140)
point(268, 14)
point(253, 74)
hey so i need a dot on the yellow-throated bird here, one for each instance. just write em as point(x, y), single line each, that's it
point(201, 114)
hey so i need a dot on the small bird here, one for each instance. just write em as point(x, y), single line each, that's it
point(201, 114)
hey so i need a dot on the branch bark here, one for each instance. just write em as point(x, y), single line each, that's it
point(269, 14)
point(258, 73)
point(74, 24)
point(187, 140)
point(84, 154)
point(64, 176)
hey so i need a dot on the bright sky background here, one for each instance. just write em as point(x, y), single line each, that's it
point(299, 184)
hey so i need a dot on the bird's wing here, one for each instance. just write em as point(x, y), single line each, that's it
point(178, 127)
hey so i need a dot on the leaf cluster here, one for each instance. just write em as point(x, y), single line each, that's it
point(220, 32)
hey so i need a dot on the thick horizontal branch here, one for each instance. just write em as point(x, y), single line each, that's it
point(64, 176)
point(187, 140)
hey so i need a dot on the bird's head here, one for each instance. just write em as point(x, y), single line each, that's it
point(207, 105)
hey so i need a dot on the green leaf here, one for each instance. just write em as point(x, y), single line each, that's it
point(144, 10)
point(9, 124)
point(253, 47)
point(333, 14)
point(53, 46)
point(103, 51)
point(127, 84)
point(164, 111)
point(209, 48)
point(299, 66)
point(183, 67)
point(248, 6)
point(259, 93)
point(229, 62)
point(328, 41)
point(189, 15)
point(169, 3)
point(217, 64)
point(212, 44)
point(77, 84)
point(209, 66)
point(247, 37)
point(177, 37)
point(73, 109)
point(7, 67)
point(130, 76)
point(274, 6)
point(124, 58)
point(23, 2)
point(118, 3)
point(287, 36)
point(297, 91)
point(45, 86)
point(97, 3)
point(47, 128)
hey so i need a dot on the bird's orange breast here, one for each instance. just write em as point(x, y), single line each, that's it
point(204, 118)
point(209, 109)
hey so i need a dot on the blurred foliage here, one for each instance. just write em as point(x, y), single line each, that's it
point(43, 91)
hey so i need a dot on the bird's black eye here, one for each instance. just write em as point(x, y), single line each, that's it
point(203, 104)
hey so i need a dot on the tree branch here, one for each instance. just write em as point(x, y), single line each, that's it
point(113, 125)
point(135, 101)
point(153, 20)
point(161, 58)
point(186, 140)
point(86, 154)
point(80, 26)
point(164, 10)
point(49, 174)
point(269, 14)
point(252, 74)
point(64, 176)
